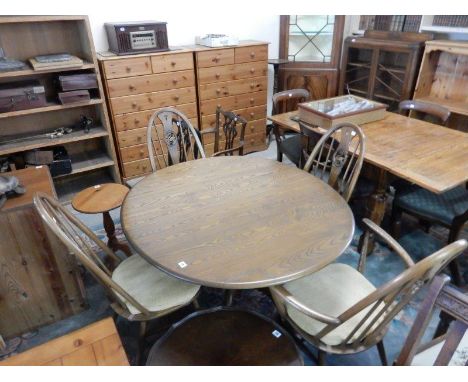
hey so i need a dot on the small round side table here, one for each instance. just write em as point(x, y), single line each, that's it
point(103, 198)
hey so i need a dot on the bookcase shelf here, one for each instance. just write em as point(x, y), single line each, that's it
point(92, 154)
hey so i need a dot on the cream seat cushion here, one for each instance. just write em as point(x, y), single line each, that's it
point(152, 288)
point(332, 291)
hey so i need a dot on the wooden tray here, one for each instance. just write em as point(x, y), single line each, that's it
point(322, 112)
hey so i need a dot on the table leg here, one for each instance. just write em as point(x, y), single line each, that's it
point(113, 243)
point(375, 212)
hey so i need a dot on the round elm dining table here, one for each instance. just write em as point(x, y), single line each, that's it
point(236, 222)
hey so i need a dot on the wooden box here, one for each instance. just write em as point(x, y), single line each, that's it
point(39, 282)
point(329, 112)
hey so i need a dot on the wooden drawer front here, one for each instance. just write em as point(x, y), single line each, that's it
point(241, 101)
point(215, 57)
point(133, 153)
point(255, 128)
point(254, 142)
point(232, 72)
point(252, 128)
point(172, 62)
point(230, 88)
point(249, 114)
point(251, 53)
point(130, 121)
point(136, 168)
point(128, 104)
point(127, 67)
point(138, 136)
point(151, 83)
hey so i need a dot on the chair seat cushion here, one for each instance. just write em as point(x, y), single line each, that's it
point(441, 207)
point(331, 291)
point(428, 356)
point(292, 148)
point(152, 288)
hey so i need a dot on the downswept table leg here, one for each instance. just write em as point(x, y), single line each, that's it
point(376, 212)
point(113, 243)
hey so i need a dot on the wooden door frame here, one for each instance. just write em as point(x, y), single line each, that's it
point(336, 45)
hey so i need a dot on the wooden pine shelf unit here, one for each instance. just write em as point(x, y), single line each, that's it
point(31, 72)
point(443, 79)
point(92, 154)
point(75, 136)
point(85, 162)
point(52, 106)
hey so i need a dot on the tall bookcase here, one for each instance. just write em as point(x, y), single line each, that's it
point(92, 154)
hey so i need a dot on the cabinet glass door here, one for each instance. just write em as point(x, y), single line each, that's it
point(358, 70)
point(390, 77)
point(311, 38)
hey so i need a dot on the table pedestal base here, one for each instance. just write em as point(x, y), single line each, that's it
point(112, 242)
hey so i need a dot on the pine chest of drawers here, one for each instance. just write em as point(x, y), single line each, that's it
point(234, 78)
point(136, 86)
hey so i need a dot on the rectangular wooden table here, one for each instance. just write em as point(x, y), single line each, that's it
point(431, 156)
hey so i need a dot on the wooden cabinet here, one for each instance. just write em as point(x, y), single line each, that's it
point(136, 87)
point(382, 65)
point(234, 79)
point(312, 46)
point(443, 79)
point(39, 281)
point(92, 154)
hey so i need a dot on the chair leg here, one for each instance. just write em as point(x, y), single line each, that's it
point(228, 297)
point(395, 221)
point(453, 266)
point(141, 341)
point(382, 354)
point(322, 358)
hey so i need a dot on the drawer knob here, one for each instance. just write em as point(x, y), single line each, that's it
point(137, 121)
point(142, 152)
point(252, 114)
point(174, 81)
point(252, 70)
point(252, 86)
point(252, 54)
point(134, 104)
point(173, 63)
point(139, 139)
point(128, 69)
point(150, 99)
point(216, 59)
point(252, 100)
point(176, 97)
point(218, 105)
point(218, 91)
point(131, 87)
point(217, 75)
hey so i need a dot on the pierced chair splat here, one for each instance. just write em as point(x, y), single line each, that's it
point(337, 157)
point(172, 139)
point(229, 133)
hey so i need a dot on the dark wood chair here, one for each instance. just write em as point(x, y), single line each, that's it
point(448, 349)
point(172, 139)
point(426, 111)
point(338, 310)
point(228, 133)
point(290, 146)
point(138, 291)
point(338, 156)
